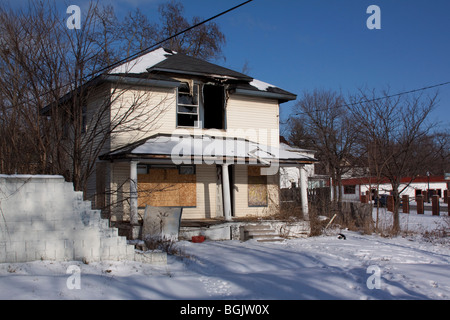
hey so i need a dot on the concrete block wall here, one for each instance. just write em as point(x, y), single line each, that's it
point(43, 218)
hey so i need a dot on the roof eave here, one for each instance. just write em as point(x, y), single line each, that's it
point(200, 74)
point(194, 159)
point(142, 81)
point(266, 94)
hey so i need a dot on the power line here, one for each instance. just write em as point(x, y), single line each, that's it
point(144, 51)
point(381, 98)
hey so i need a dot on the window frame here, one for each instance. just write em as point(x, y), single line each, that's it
point(350, 189)
point(197, 114)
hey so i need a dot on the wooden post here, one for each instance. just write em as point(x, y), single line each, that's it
point(435, 205)
point(133, 194)
point(405, 203)
point(390, 203)
point(304, 192)
point(363, 198)
point(419, 200)
point(226, 193)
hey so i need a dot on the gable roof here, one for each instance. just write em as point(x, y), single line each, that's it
point(157, 67)
point(181, 63)
point(164, 61)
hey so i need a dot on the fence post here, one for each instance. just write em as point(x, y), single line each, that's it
point(405, 202)
point(419, 200)
point(435, 205)
point(363, 198)
point(390, 203)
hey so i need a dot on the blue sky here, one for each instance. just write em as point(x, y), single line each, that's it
point(308, 44)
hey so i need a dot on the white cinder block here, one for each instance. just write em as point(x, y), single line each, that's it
point(11, 257)
point(46, 219)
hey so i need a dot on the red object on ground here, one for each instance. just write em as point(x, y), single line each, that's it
point(198, 239)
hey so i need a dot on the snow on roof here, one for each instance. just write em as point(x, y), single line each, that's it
point(161, 60)
point(178, 146)
point(287, 147)
point(144, 62)
point(260, 85)
point(29, 176)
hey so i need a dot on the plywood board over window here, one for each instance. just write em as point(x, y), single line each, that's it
point(257, 188)
point(167, 188)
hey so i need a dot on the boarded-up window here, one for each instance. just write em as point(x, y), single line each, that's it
point(257, 188)
point(167, 188)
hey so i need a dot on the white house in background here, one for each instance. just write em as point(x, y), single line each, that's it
point(213, 148)
point(353, 188)
point(290, 176)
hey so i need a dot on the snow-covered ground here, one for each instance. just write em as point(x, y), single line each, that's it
point(322, 267)
point(413, 222)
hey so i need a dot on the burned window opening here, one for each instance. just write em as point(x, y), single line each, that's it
point(214, 107)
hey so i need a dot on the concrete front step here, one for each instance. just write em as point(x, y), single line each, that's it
point(261, 233)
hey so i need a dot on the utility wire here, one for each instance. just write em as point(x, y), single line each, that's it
point(146, 50)
point(381, 98)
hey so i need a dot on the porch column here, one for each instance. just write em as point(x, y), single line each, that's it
point(304, 191)
point(133, 193)
point(226, 192)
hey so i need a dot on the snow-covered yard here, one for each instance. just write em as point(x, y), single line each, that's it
point(315, 268)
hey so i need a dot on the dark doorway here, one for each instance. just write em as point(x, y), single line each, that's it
point(214, 107)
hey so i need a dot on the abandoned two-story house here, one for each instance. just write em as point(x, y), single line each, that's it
point(191, 134)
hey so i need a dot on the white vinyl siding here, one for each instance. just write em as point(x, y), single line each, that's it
point(206, 194)
point(242, 208)
point(255, 119)
point(146, 112)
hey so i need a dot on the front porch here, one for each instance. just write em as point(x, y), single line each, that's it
point(215, 180)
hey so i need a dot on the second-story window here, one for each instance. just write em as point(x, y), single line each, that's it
point(214, 107)
point(188, 105)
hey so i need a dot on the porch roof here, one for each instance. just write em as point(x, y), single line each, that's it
point(182, 148)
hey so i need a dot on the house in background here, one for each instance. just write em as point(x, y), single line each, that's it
point(290, 177)
point(202, 137)
point(354, 188)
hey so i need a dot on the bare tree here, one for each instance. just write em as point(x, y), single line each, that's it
point(324, 125)
point(52, 104)
point(98, 109)
point(204, 42)
point(26, 58)
point(395, 131)
point(137, 33)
